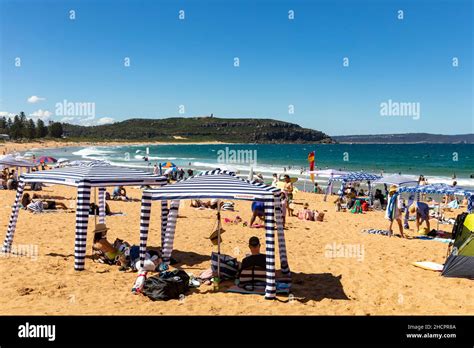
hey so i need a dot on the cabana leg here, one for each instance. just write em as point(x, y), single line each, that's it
point(82, 220)
point(13, 218)
point(102, 205)
point(164, 221)
point(285, 269)
point(170, 228)
point(144, 225)
point(270, 289)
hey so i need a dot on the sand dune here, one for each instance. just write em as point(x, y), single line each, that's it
point(378, 280)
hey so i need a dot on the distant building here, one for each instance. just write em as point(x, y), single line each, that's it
point(4, 137)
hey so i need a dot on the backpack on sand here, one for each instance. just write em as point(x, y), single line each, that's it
point(167, 286)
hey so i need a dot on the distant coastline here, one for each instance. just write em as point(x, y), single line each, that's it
point(405, 138)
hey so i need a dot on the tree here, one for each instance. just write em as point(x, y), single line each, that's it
point(16, 128)
point(4, 125)
point(23, 125)
point(55, 129)
point(30, 131)
point(41, 129)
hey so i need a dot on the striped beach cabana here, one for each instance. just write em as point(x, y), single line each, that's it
point(85, 177)
point(354, 177)
point(442, 189)
point(217, 184)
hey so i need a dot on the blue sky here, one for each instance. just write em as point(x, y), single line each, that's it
point(283, 62)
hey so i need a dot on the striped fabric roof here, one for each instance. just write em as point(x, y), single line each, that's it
point(356, 176)
point(214, 184)
point(441, 189)
point(10, 161)
point(97, 175)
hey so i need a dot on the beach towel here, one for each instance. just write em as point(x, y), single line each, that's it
point(432, 266)
point(258, 290)
point(375, 231)
point(436, 239)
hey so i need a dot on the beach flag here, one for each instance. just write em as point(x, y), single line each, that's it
point(311, 164)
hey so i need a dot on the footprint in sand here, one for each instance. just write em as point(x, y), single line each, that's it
point(24, 291)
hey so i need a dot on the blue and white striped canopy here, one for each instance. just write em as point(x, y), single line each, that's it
point(219, 184)
point(96, 175)
point(10, 161)
point(356, 176)
point(441, 189)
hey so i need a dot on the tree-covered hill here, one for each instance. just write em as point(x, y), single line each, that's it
point(233, 130)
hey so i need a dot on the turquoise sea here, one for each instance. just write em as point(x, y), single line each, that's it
point(437, 162)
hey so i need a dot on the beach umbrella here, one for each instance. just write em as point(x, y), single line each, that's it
point(46, 159)
point(170, 170)
point(10, 161)
point(168, 165)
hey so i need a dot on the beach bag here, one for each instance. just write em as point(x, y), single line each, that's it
point(228, 266)
point(458, 224)
point(167, 286)
point(365, 206)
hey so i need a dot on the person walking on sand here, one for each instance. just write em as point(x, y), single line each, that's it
point(394, 210)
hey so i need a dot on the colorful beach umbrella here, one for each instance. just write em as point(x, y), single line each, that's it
point(46, 160)
point(168, 165)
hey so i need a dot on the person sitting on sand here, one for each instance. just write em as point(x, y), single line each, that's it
point(306, 213)
point(394, 210)
point(258, 210)
point(94, 209)
point(317, 188)
point(252, 270)
point(351, 198)
point(12, 182)
point(422, 211)
point(379, 196)
point(120, 193)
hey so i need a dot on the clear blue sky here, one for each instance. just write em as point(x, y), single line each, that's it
point(190, 62)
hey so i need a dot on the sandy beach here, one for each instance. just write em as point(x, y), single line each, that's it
point(13, 147)
point(378, 279)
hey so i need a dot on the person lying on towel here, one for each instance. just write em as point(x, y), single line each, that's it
point(252, 270)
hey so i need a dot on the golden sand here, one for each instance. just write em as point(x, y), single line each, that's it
point(378, 280)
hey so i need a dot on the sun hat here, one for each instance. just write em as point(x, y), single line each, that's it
point(101, 228)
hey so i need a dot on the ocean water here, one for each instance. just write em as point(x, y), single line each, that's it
point(437, 162)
